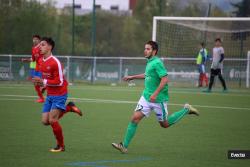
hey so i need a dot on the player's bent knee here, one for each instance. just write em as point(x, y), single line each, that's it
point(135, 120)
point(137, 117)
point(45, 122)
point(164, 124)
point(51, 121)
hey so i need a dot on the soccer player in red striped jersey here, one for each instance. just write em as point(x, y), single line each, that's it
point(36, 57)
point(57, 92)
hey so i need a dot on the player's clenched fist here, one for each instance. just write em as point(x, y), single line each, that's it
point(37, 81)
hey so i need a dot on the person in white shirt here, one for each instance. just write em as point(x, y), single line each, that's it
point(217, 65)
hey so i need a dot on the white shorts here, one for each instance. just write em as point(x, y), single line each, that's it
point(160, 109)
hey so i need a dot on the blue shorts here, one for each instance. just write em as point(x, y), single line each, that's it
point(55, 102)
point(201, 68)
point(32, 72)
point(37, 74)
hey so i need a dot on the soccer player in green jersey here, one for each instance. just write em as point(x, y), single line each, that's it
point(154, 97)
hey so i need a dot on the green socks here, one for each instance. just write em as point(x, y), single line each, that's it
point(176, 116)
point(129, 134)
point(172, 119)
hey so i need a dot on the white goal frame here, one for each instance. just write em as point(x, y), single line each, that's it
point(158, 18)
point(248, 69)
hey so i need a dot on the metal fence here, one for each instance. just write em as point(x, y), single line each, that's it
point(182, 71)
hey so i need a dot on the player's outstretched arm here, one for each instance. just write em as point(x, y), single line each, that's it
point(131, 77)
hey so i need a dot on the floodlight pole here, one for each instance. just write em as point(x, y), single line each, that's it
point(73, 39)
point(93, 42)
point(241, 55)
point(248, 69)
point(73, 28)
point(208, 14)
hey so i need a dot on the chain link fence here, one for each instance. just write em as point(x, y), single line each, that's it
point(182, 71)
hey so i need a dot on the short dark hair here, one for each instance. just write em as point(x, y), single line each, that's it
point(217, 39)
point(202, 44)
point(36, 36)
point(50, 41)
point(154, 45)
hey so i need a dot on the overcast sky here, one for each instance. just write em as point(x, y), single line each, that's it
point(87, 4)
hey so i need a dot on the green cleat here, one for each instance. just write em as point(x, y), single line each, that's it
point(120, 147)
point(191, 109)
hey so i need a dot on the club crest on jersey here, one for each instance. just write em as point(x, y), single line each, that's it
point(48, 67)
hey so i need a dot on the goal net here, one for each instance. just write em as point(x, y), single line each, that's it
point(179, 39)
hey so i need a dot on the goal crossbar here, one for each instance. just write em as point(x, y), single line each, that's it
point(155, 18)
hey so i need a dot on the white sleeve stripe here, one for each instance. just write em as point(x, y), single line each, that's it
point(59, 70)
point(45, 82)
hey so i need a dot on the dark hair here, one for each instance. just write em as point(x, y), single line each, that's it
point(50, 41)
point(154, 45)
point(202, 44)
point(217, 39)
point(36, 36)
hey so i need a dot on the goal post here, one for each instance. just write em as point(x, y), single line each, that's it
point(248, 69)
point(179, 37)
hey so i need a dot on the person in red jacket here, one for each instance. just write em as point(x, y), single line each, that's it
point(57, 92)
point(37, 58)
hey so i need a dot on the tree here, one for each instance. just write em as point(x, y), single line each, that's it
point(20, 20)
point(243, 8)
point(194, 9)
point(217, 12)
point(143, 15)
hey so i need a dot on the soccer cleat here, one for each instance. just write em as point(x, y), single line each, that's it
point(74, 109)
point(191, 109)
point(57, 149)
point(120, 147)
point(40, 100)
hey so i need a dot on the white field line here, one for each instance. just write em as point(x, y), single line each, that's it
point(11, 99)
point(238, 93)
point(24, 98)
